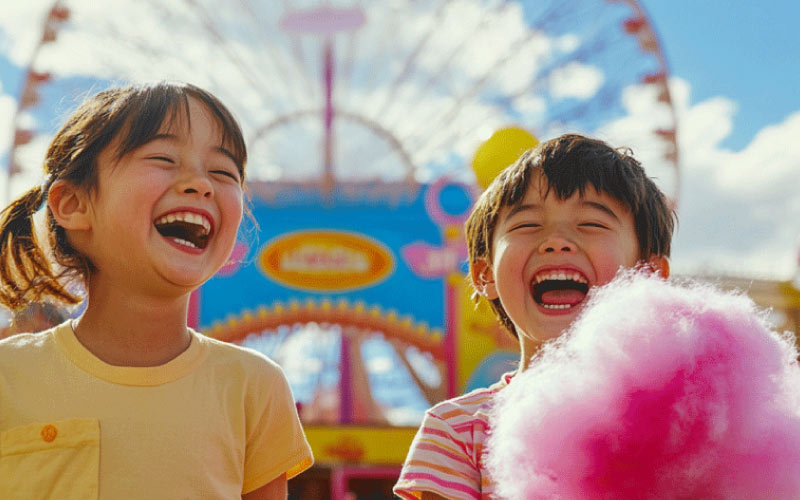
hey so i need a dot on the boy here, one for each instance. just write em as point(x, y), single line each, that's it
point(566, 217)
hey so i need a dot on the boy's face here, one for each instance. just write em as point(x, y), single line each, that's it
point(547, 253)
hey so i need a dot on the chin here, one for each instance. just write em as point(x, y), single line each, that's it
point(547, 333)
point(187, 280)
point(558, 324)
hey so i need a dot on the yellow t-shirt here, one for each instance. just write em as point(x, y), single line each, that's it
point(215, 422)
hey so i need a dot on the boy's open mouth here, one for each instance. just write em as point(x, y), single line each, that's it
point(559, 289)
point(186, 228)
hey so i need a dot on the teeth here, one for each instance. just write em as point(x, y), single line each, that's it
point(184, 242)
point(560, 275)
point(556, 306)
point(188, 217)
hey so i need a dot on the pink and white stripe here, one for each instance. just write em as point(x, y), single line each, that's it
point(446, 456)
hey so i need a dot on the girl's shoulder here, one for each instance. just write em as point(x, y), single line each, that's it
point(229, 353)
point(260, 378)
point(27, 352)
point(26, 341)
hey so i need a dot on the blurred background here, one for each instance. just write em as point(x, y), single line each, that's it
point(373, 125)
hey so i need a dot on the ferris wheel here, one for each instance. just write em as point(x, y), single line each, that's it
point(338, 91)
point(360, 94)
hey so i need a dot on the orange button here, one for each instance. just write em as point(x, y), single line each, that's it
point(49, 433)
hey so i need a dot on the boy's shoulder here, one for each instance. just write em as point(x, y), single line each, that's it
point(475, 402)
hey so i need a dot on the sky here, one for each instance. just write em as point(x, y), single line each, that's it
point(739, 66)
point(734, 71)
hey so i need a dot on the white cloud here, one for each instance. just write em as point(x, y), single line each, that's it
point(771, 160)
point(21, 26)
point(7, 107)
point(412, 79)
point(738, 210)
point(643, 115)
point(440, 84)
point(575, 80)
point(441, 78)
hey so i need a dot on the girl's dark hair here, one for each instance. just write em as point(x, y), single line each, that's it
point(569, 164)
point(134, 114)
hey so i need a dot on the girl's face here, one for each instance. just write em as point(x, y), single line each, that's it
point(164, 217)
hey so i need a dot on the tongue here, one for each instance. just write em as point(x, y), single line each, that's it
point(560, 297)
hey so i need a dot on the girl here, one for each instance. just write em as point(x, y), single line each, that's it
point(143, 201)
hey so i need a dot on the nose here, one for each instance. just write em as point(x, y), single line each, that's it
point(556, 243)
point(194, 181)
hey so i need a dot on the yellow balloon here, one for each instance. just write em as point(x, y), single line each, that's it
point(499, 151)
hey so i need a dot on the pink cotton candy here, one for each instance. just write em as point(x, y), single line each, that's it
point(659, 391)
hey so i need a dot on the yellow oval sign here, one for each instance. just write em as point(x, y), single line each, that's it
point(326, 260)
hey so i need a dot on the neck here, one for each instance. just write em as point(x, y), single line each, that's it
point(134, 330)
point(527, 349)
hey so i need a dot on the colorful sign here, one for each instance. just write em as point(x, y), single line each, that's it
point(326, 260)
point(361, 296)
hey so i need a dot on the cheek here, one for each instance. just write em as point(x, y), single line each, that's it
point(509, 275)
point(511, 254)
point(628, 255)
point(232, 207)
point(239, 212)
point(608, 266)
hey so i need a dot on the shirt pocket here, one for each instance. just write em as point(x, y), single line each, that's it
point(51, 460)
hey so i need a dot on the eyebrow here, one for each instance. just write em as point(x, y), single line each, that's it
point(521, 208)
point(168, 137)
point(585, 203)
point(600, 206)
point(174, 138)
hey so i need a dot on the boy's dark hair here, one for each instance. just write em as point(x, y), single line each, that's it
point(569, 164)
point(134, 114)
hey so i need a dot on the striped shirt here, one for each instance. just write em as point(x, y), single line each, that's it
point(446, 456)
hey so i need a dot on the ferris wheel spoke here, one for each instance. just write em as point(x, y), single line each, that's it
point(539, 81)
point(437, 79)
point(501, 61)
point(348, 62)
point(282, 73)
point(457, 106)
point(415, 88)
point(409, 63)
point(246, 70)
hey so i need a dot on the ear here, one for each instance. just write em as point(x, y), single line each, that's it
point(483, 279)
point(69, 205)
point(659, 265)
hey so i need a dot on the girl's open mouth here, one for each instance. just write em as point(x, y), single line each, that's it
point(185, 228)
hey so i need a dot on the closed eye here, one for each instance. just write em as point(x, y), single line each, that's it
point(161, 158)
point(226, 173)
point(594, 224)
point(527, 225)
